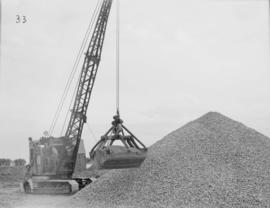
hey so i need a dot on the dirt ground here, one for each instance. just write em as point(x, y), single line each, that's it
point(40, 201)
point(12, 197)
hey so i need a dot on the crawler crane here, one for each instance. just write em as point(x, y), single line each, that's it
point(53, 159)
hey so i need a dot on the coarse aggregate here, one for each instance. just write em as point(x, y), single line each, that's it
point(210, 162)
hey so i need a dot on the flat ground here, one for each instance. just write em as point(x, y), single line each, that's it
point(12, 197)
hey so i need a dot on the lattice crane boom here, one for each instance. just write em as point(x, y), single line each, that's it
point(87, 79)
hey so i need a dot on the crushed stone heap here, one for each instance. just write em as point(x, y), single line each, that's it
point(210, 162)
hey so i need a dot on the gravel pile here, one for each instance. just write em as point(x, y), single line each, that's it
point(210, 162)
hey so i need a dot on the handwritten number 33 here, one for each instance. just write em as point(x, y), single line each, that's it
point(21, 19)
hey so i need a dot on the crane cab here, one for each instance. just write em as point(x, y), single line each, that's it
point(51, 168)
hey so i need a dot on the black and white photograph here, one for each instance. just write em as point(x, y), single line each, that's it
point(135, 104)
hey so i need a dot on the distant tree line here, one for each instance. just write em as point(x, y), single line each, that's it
point(9, 162)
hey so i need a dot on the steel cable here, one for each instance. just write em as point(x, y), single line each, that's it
point(94, 17)
point(117, 55)
point(74, 69)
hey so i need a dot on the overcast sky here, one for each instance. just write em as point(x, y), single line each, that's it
point(179, 60)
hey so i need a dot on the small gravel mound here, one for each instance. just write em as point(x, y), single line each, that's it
point(210, 162)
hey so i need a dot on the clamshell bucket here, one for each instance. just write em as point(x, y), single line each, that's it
point(118, 157)
point(131, 154)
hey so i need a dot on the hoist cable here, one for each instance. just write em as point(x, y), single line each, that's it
point(94, 17)
point(117, 55)
point(69, 108)
point(74, 69)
